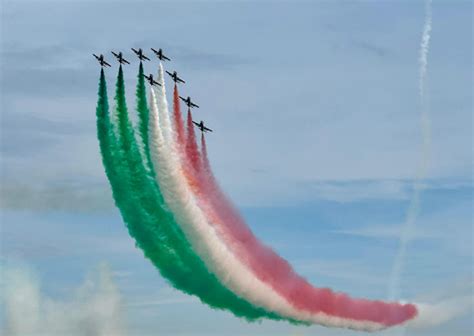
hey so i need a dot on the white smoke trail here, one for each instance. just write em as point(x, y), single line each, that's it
point(94, 310)
point(432, 315)
point(201, 234)
point(414, 207)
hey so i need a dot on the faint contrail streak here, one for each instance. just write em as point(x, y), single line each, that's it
point(414, 207)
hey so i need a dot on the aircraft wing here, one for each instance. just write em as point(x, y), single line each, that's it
point(116, 55)
point(107, 64)
point(180, 80)
point(195, 105)
point(207, 129)
point(97, 57)
point(135, 51)
point(195, 123)
point(125, 61)
point(165, 58)
point(145, 57)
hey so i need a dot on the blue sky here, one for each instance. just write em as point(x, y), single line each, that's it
point(317, 139)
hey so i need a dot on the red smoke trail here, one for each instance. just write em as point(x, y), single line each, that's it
point(182, 142)
point(275, 271)
point(204, 159)
point(178, 120)
point(192, 151)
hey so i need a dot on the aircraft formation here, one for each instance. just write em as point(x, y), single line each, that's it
point(174, 75)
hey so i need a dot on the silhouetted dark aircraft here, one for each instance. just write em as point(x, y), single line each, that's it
point(151, 80)
point(101, 60)
point(140, 54)
point(188, 102)
point(201, 126)
point(160, 55)
point(120, 58)
point(175, 77)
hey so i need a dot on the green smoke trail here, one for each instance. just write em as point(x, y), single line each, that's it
point(143, 117)
point(122, 188)
point(104, 129)
point(148, 221)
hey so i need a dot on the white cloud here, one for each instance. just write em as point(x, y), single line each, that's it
point(432, 315)
point(94, 309)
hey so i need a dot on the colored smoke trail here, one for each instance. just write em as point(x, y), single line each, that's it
point(178, 119)
point(271, 268)
point(206, 166)
point(116, 163)
point(295, 298)
point(414, 207)
point(203, 284)
point(218, 235)
point(169, 176)
point(143, 116)
point(154, 229)
point(192, 151)
point(105, 133)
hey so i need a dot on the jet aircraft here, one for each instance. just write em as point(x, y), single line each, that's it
point(140, 54)
point(201, 126)
point(175, 77)
point(151, 80)
point(101, 60)
point(160, 55)
point(120, 58)
point(188, 102)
